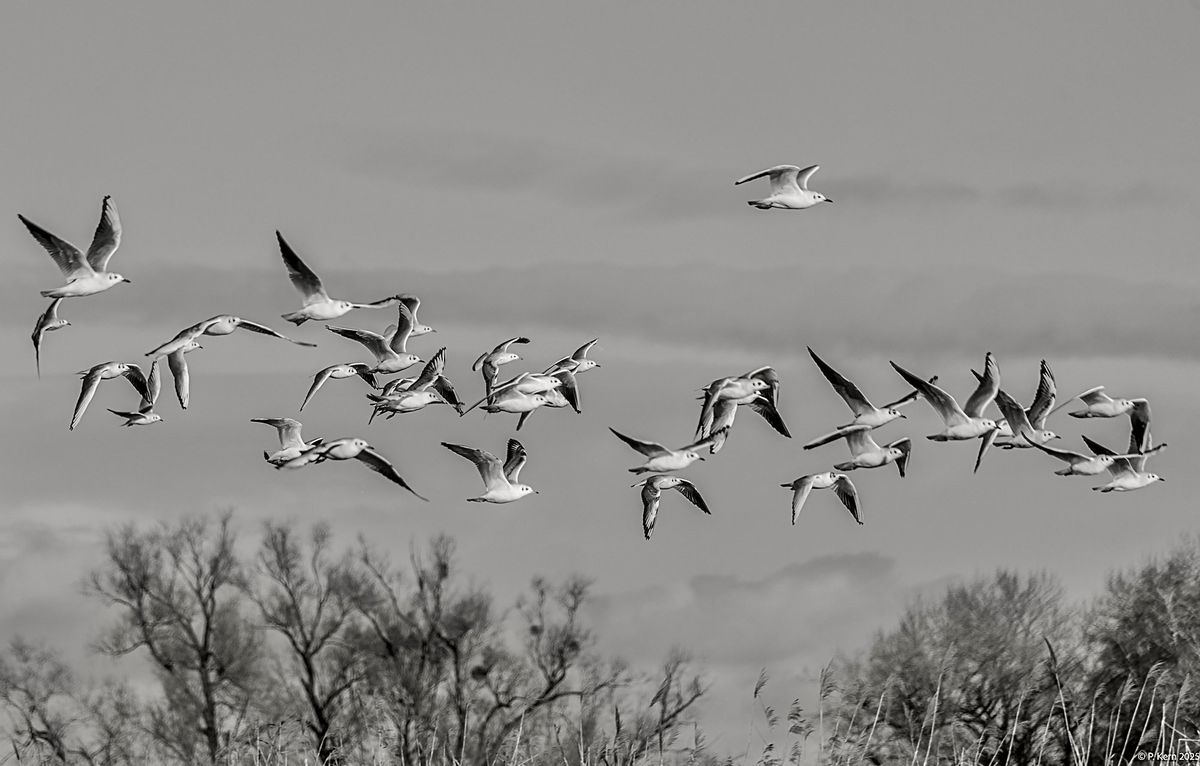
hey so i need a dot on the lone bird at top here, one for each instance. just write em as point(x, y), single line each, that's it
point(789, 188)
point(85, 274)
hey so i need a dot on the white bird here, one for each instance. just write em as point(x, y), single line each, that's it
point(179, 372)
point(1038, 412)
point(527, 383)
point(105, 371)
point(317, 303)
point(413, 303)
point(842, 487)
point(390, 349)
point(652, 488)
point(85, 274)
point(1079, 464)
point(865, 413)
point(291, 443)
point(757, 388)
point(48, 321)
point(576, 362)
point(500, 481)
point(350, 448)
point(962, 423)
point(489, 362)
point(431, 387)
point(1025, 435)
point(866, 453)
point(1129, 473)
point(661, 458)
point(789, 188)
point(1099, 404)
point(221, 324)
point(565, 395)
point(145, 414)
point(339, 372)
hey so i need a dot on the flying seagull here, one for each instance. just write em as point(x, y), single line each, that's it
point(349, 448)
point(85, 274)
point(489, 362)
point(660, 458)
point(317, 303)
point(839, 482)
point(865, 413)
point(291, 444)
point(500, 481)
point(106, 371)
point(221, 324)
point(789, 188)
point(339, 372)
point(48, 321)
point(145, 414)
point(652, 488)
point(390, 349)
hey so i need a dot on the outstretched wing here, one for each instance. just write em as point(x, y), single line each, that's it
point(303, 278)
point(582, 352)
point(765, 406)
point(517, 457)
point(487, 464)
point(688, 490)
point(179, 372)
point(1139, 426)
point(845, 491)
point(941, 401)
point(986, 391)
point(153, 384)
point(107, 237)
point(651, 498)
point(500, 349)
point(432, 371)
point(374, 343)
point(1043, 400)
point(801, 489)
point(569, 388)
point(67, 257)
point(246, 324)
point(379, 464)
point(854, 398)
point(781, 176)
point(398, 342)
point(649, 449)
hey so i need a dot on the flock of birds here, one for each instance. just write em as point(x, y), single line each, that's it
point(557, 386)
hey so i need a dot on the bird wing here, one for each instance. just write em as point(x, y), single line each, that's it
point(845, 491)
point(445, 389)
point(833, 436)
point(688, 490)
point(569, 388)
point(908, 398)
point(985, 443)
point(379, 464)
point(500, 349)
point(487, 464)
point(404, 327)
point(1014, 414)
point(782, 176)
point(710, 399)
point(986, 391)
point(91, 381)
point(184, 337)
point(107, 237)
point(765, 406)
point(941, 401)
point(801, 489)
point(1043, 400)
point(363, 371)
point(582, 352)
point(179, 373)
point(288, 429)
point(1093, 395)
point(432, 371)
point(137, 379)
point(854, 398)
point(1067, 456)
point(696, 446)
point(1139, 426)
point(517, 457)
point(246, 324)
point(651, 498)
point(318, 381)
point(905, 446)
point(493, 390)
point(303, 278)
point(153, 388)
point(649, 449)
point(858, 438)
point(411, 302)
point(373, 342)
point(1120, 465)
point(67, 257)
point(803, 176)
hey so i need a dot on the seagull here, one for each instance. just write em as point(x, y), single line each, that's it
point(221, 324)
point(499, 481)
point(1099, 404)
point(842, 487)
point(789, 188)
point(391, 348)
point(962, 423)
point(652, 488)
point(1025, 434)
point(291, 445)
point(723, 414)
point(317, 303)
point(47, 322)
point(661, 458)
point(527, 383)
point(866, 453)
point(338, 372)
point(577, 362)
point(85, 274)
point(145, 414)
point(106, 371)
point(865, 413)
point(1079, 464)
point(348, 448)
point(489, 363)
point(413, 303)
point(179, 372)
point(1038, 412)
point(758, 388)
point(565, 395)
point(1129, 473)
point(432, 387)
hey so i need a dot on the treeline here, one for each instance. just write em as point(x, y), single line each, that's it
point(1003, 670)
point(313, 654)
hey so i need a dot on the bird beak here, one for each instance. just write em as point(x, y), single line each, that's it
point(904, 416)
point(829, 200)
point(1161, 478)
point(596, 366)
point(130, 281)
point(536, 492)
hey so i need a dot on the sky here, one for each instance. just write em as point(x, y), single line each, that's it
point(1016, 178)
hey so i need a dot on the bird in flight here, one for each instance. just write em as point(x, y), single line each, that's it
point(789, 188)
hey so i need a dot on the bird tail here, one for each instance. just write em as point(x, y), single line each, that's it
point(844, 466)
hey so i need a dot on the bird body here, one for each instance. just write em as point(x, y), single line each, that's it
point(661, 459)
point(85, 274)
point(500, 480)
point(839, 482)
point(652, 489)
point(789, 188)
point(48, 321)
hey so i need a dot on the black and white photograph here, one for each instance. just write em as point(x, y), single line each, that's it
point(599, 383)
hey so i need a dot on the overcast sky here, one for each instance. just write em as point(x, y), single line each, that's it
point(1016, 177)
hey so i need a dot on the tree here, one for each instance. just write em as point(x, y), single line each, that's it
point(969, 675)
point(309, 597)
point(177, 588)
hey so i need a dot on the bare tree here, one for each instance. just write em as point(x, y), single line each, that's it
point(177, 588)
point(309, 597)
